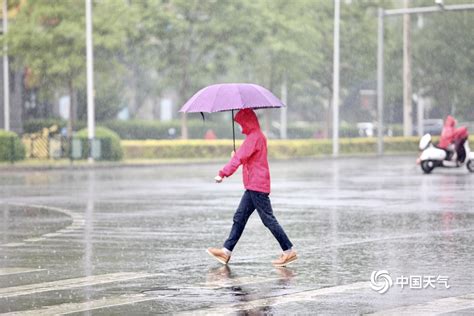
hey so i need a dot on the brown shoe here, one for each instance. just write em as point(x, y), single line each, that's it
point(219, 255)
point(285, 259)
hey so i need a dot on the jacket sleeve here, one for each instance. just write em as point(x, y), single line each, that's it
point(447, 134)
point(245, 151)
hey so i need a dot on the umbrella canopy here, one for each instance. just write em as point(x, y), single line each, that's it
point(231, 96)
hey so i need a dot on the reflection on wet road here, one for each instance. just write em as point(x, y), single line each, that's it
point(133, 240)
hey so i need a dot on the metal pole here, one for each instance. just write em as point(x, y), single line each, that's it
point(407, 90)
point(335, 97)
point(284, 110)
point(421, 113)
point(422, 10)
point(90, 79)
point(233, 129)
point(380, 82)
point(6, 71)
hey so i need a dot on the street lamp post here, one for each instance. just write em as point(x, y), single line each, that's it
point(440, 7)
point(380, 82)
point(6, 71)
point(90, 80)
point(335, 81)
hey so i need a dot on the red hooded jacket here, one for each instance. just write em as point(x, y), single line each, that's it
point(450, 133)
point(252, 154)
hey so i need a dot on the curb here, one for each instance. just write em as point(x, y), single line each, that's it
point(82, 165)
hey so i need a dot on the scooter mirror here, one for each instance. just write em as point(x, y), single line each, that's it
point(425, 141)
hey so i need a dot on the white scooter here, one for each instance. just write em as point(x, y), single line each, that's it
point(432, 156)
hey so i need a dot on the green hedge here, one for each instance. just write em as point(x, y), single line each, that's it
point(11, 147)
point(111, 148)
point(141, 129)
point(138, 129)
point(167, 149)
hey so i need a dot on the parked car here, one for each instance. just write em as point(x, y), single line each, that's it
point(430, 126)
point(366, 129)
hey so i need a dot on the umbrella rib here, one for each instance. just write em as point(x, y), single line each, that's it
point(194, 97)
point(215, 97)
point(240, 96)
point(265, 98)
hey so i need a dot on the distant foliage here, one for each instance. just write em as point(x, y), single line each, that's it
point(11, 147)
point(141, 129)
point(36, 125)
point(110, 143)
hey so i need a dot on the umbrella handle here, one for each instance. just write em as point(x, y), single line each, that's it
point(233, 129)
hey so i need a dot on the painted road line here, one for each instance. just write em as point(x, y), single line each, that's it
point(436, 307)
point(70, 308)
point(277, 300)
point(220, 284)
point(77, 223)
point(236, 282)
point(13, 244)
point(369, 240)
point(71, 283)
point(10, 271)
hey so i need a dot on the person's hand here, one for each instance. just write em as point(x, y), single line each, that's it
point(232, 154)
point(218, 179)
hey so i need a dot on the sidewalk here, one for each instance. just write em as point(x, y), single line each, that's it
point(65, 164)
point(36, 164)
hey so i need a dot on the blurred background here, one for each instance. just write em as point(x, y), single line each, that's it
point(150, 56)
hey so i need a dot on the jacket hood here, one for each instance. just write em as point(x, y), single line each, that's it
point(450, 121)
point(247, 119)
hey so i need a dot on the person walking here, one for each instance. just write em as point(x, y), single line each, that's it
point(252, 155)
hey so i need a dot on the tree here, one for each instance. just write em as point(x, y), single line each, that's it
point(444, 62)
point(288, 52)
point(206, 37)
point(49, 38)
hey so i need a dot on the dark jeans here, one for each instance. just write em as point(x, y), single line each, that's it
point(459, 145)
point(250, 201)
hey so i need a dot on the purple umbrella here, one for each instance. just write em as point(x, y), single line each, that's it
point(230, 97)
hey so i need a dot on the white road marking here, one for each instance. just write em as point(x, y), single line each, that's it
point(78, 222)
point(10, 271)
point(69, 308)
point(13, 244)
point(282, 299)
point(228, 282)
point(35, 239)
point(436, 307)
point(71, 283)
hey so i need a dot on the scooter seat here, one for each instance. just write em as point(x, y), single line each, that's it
point(449, 154)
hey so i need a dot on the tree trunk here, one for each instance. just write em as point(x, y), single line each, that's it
point(284, 110)
point(182, 94)
point(184, 119)
point(328, 123)
point(267, 115)
point(72, 109)
point(407, 89)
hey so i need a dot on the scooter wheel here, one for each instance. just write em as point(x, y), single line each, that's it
point(470, 165)
point(427, 166)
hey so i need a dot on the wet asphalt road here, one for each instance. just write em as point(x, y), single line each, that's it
point(132, 240)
